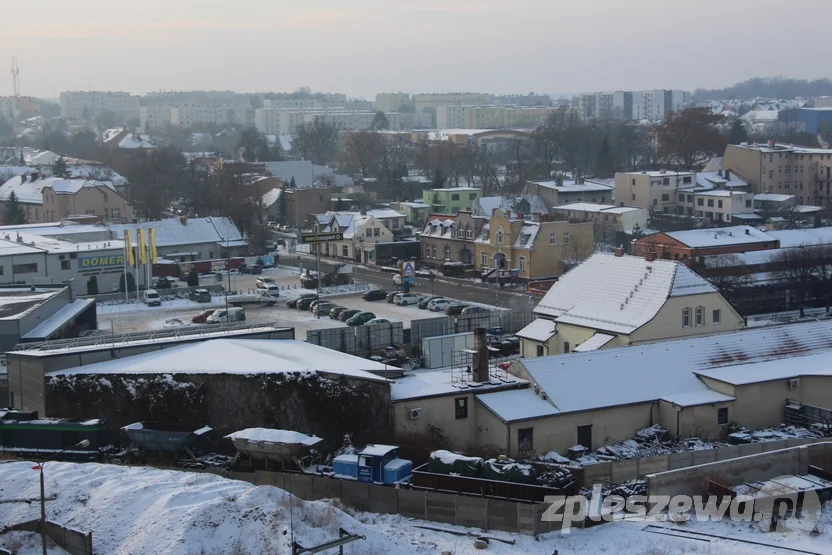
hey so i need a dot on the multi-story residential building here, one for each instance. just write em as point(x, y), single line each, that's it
point(415, 213)
point(88, 104)
point(527, 207)
point(13, 107)
point(193, 108)
point(451, 117)
point(267, 121)
point(652, 190)
point(567, 191)
point(651, 105)
point(435, 100)
point(530, 99)
point(784, 169)
point(450, 238)
point(362, 231)
point(52, 199)
point(293, 104)
point(452, 200)
point(392, 102)
point(644, 300)
point(608, 219)
point(457, 116)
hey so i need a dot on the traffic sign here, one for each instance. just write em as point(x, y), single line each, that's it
point(320, 237)
point(408, 270)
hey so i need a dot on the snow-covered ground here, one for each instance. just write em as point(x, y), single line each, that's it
point(140, 510)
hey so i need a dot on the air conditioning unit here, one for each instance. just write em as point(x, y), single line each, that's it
point(415, 414)
point(794, 383)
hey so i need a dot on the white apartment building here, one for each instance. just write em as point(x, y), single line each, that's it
point(292, 103)
point(190, 113)
point(435, 100)
point(391, 102)
point(8, 107)
point(651, 105)
point(88, 104)
point(491, 117)
point(267, 121)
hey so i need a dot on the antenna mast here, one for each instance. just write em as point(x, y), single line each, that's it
point(15, 76)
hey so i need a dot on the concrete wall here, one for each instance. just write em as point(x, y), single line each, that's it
point(698, 421)
point(761, 404)
point(746, 162)
point(668, 322)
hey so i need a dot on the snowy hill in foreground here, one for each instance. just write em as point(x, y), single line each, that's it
point(138, 510)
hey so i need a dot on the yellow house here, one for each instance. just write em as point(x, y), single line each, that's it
point(361, 233)
point(612, 300)
point(534, 249)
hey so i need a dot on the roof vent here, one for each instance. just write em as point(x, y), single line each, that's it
point(748, 232)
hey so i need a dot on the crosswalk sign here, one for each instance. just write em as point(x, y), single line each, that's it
point(408, 270)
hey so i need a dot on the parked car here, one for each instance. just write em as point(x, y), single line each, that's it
point(271, 290)
point(374, 295)
point(202, 317)
point(391, 296)
point(407, 298)
point(152, 298)
point(336, 311)
point(162, 283)
point(377, 321)
point(253, 269)
point(455, 309)
point(360, 319)
point(222, 315)
point(347, 314)
point(323, 308)
point(305, 303)
point(474, 310)
point(438, 305)
point(423, 304)
point(293, 303)
point(200, 296)
point(453, 269)
point(264, 282)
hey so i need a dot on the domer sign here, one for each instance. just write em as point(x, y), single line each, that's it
point(87, 262)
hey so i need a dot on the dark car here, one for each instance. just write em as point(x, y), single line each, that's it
point(455, 309)
point(474, 310)
point(255, 269)
point(374, 295)
point(347, 314)
point(360, 319)
point(162, 283)
point(323, 308)
point(293, 303)
point(336, 311)
point(200, 296)
point(423, 304)
point(305, 304)
point(391, 296)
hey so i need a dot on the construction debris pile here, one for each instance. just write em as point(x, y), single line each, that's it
point(501, 469)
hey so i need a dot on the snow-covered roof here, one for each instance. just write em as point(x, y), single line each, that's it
point(434, 383)
point(592, 207)
point(135, 140)
point(109, 134)
point(665, 370)
point(808, 236)
point(718, 193)
point(711, 179)
point(618, 293)
point(755, 116)
point(378, 450)
point(384, 213)
point(773, 197)
point(415, 204)
point(172, 231)
point(270, 435)
point(271, 197)
point(518, 404)
point(72, 186)
point(47, 327)
point(538, 330)
point(526, 236)
point(736, 235)
point(594, 343)
point(571, 186)
point(485, 206)
point(238, 356)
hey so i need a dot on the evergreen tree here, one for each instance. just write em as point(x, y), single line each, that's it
point(438, 181)
point(13, 213)
point(59, 168)
point(280, 209)
point(340, 205)
point(737, 134)
point(292, 184)
point(92, 285)
point(380, 121)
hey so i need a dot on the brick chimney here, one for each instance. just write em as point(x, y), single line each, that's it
point(650, 256)
point(771, 143)
point(480, 363)
point(508, 214)
point(543, 218)
point(727, 175)
point(663, 171)
point(619, 252)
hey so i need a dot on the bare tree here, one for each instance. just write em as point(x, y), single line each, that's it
point(316, 140)
point(822, 257)
point(689, 138)
point(796, 267)
point(363, 152)
point(726, 273)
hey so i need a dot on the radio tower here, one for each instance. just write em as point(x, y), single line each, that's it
point(15, 76)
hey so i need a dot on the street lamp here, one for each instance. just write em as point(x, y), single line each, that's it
point(80, 445)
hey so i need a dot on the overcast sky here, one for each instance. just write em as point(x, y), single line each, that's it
point(361, 47)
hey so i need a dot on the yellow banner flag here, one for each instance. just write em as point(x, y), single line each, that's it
point(140, 246)
point(128, 248)
point(153, 245)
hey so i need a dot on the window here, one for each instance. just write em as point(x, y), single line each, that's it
point(25, 268)
point(525, 439)
point(722, 416)
point(748, 203)
point(719, 204)
point(210, 254)
point(369, 232)
point(540, 350)
point(553, 238)
point(115, 213)
point(375, 232)
point(460, 233)
point(472, 196)
point(585, 436)
point(634, 196)
point(690, 198)
point(634, 181)
point(454, 197)
point(566, 346)
point(681, 198)
point(461, 407)
point(686, 318)
point(666, 181)
point(665, 197)
point(655, 202)
point(37, 213)
point(434, 251)
point(716, 316)
point(65, 265)
point(700, 202)
point(522, 262)
point(788, 169)
point(500, 235)
point(686, 179)
point(88, 212)
point(469, 233)
point(565, 237)
point(483, 259)
point(770, 173)
point(447, 252)
point(105, 197)
point(345, 250)
point(788, 184)
point(710, 202)
point(700, 316)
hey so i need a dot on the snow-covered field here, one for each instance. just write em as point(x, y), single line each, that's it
point(139, 510)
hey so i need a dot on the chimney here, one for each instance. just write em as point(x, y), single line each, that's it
point(508, 214)
point(650, 256)
point(492, 212)
point(662, 171)
point(719, 173)
point(771, 143)
point(747, 231)
point(756, 144)
point(480, 369)
point(543, 218)
point(825, 146)
point(619, 252)
point(183, 220)
point(727, 175)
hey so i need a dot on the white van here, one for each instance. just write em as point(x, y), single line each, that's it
point(152, 298)
point(222, 316)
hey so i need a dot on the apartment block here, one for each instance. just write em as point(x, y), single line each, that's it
point(651, 105)
point(88, 104)
point(784, 169)
point(435, 100)
point(392, 102)
point(491, 117)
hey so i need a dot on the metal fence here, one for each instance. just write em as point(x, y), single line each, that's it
point(430, 327)
point(636, 469)
point(358, 339)
point(73, 541)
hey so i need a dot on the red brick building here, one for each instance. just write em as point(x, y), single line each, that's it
point(690, 244)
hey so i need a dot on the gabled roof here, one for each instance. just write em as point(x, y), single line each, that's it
point(31, 192)
point(724, 236)
point(271, 197)
point(668, 370)
point(540, 330)
point(618, 293)
point(485, 206)
point(193, 231)
point(571, 186)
